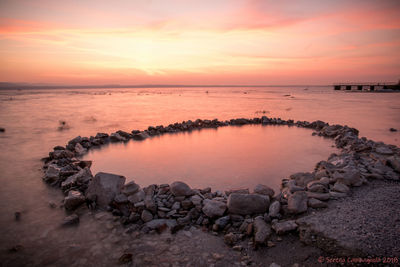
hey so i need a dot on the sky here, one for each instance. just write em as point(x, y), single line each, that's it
point(217, 42)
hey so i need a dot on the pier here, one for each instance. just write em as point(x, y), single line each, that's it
point(371, 86)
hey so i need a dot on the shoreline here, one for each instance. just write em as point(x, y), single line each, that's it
point(222, 212)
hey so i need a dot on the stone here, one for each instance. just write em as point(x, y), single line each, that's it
point(79, 149)
point(247, 204)
point(318, 188)
point(176, 206)
point(115, 137)
point(130, 188)
point(316, 204)
point(82, 177)
point(222, 222)
point(104, 187)
point(180, 189)
point(71, 220)
point(146, 216)
point(124, 134)
point(140, 136)
point(159, 224)
point(284, 227)
point(231, 239)
point(52, 173)
point(394, 162)
point(150, 204)
point(319, 196)
point(297, 202)
point(186, 204)
point(341, 188)
point(274, 209)
point(213, 208)
point(302, 178)
point(262, 231)
point(384, 150)
point(264, 190)
point(120, 199)
point(337, 195)
point(274, 265)
point(136, 197)
point(239, 191)
point(196, 200)
point(73, 200)
point(350, 177)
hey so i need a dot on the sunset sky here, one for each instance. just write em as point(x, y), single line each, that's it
point(199, 42)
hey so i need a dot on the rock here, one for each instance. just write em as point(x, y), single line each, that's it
point(318, 188)
point(140, 136)
point(337, 195)
point(239, 191)
point(246, 204)
point(186, 204)
point(176, 206)
point(341, 188)
point(384, 150)
point(120, 199)
point(180, 189)
point(130, 188)
point(104, 187)
point(231, 239)
point(274, 265)
point(213, 208)
point(125, 258)
point(115, 137)
point(150, 204)
point(391, 129)
point(146, 216)
point(222, 222)
point(82, 177)
point(264, 190)
point(350, 177)
point(319, 196)
point(274, 209)
point(52, 173)
point(71, 220)
point(159, 224)
point(136, 197)
point(2, 130)
point(316, 204)
point(262, 231)
point(297, 202)
point(284, 227)
point(302, 178)
point(73, 200)
point(79, 149)
point(394, 162)
point(196, 200)
point(124, 134)
point(17, 215)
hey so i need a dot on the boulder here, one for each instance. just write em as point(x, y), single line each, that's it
point(136, 197)
point(120, 199)
point(180, 189)
point(196, 200)
point(52, 173)
point(394, 162)
point(140, 136)
point(130, 188)
point(264, 190)
point(213, 208)
point(350, 178)
point(104, 187)
point(159, 224)
point(73, 200)
point(262, 231)
point(146, 216)
point(79, 149)
point(222, 222)
point(302, 178)
point(297, 202)
point(246, 204)
point(82, 177)
point(319, 196)
point(284, 227)
point(115, 137)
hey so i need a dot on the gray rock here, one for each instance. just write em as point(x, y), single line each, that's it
point(140, 136)
point(246, 204)
point(213, 208)
point(264, 190)
point(350, 177)
point(318, 188)
point(222, 222)
point(150, 204)
point(297, 202)
point(384, 150)
point(73, 200)
point(262, 231)
point(130, 188)
point(284, 227)
point(239, 191)
point(231, 239)
point(82, 177)
point(316, 204)
point(337, 195)
point(274, 209)
point(160, 223)
point(180, 189)
point(136, 197)
point(319, 196)
point(146, 216)
point(341, 188)
point(394, 162)
point(116, 137)
point(176, 206)
point(302, 178)
point(104, 187)
point(71, 220)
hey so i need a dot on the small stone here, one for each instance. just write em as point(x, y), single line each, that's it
point(71, 220)
point(217, 256)
point(284, 227)
point(237, 248)
point(222, 222)
point(121, 198)
point(17, 215)
point(297, 202)
point(270, 244)
point(130, 188)
point(316, 204)
point(136, 197)
point(274, 209)
point(230, 239)
point(262, 231)
point(213, 208)
point(146, 216)
point(73, 200)
point(341, 188)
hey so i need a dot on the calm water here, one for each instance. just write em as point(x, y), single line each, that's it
point(223, 158)
point(31, 118)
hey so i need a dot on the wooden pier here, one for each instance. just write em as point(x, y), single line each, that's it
point(367, 86)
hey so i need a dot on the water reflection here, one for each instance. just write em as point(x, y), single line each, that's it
point(223, 158)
